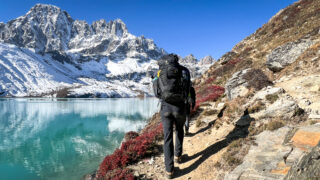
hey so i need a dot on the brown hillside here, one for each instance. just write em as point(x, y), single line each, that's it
point(258, 108)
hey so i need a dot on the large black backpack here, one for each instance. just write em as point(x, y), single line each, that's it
point(170, 81)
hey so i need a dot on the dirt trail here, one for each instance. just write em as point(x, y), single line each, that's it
point(201, 150)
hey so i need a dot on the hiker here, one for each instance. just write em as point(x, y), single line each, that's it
point(171, 86)
point(191, 103)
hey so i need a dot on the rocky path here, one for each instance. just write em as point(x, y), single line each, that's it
point(202, 149)
point(306, 90)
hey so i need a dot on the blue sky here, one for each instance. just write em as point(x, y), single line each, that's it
point(200, 27)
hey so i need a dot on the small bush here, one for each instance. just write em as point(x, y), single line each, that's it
point(198, 123)
point(210, 112)
point(232, 156)
point(130, 135)
point(130, 151)
point(210, 93)
point(257, 79)
point(256, 107)
point(272, 98)
point(274, 125)
point(210, 80)
point(62, 93)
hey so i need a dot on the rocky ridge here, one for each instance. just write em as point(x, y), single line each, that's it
point(47, 53)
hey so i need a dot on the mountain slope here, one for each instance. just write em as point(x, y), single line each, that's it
point(47, 53)
point(266, 125)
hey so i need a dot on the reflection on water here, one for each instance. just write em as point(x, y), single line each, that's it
point(53, 139)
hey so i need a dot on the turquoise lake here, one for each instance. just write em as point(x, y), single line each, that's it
point(64, 139)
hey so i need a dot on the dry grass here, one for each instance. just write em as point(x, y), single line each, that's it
point(271, 126)
point(199, 123)
point(258, 106)
point(272, 98)
point(209, 112)
point(312, 122)
point(274, 125)
point(234, 107)
point(234, 154)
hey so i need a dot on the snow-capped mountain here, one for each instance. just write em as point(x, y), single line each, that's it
point(47, 53)
point(195, 66)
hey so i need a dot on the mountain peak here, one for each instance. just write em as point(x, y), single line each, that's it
point(189, 59)
point(44, 8)
point(207, 60)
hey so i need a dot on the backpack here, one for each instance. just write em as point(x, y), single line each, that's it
point(171, 81)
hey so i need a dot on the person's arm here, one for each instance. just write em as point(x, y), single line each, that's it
point(193, 97)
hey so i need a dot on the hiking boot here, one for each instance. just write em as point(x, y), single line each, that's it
point(178, 159)
point(186, 133)
point(169, 175)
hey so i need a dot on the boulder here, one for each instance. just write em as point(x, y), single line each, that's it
point(286, 54)
point(285, 107)
point(241, 81)
point(236, 85)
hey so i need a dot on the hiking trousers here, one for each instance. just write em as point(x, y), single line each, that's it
point(172, 115)
point(186, 125)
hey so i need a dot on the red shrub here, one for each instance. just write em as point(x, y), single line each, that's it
point(234, 61)
point(210, 80)
point(210, 93)
point(130, 151)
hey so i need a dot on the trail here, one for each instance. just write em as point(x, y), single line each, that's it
point(201, 150)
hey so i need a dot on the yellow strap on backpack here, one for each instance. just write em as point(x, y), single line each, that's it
point(158, 74)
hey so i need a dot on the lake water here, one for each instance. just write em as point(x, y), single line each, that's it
point(64, 138)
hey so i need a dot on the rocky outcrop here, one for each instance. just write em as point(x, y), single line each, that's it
point(241, 81)
point(308, 167)
point(208, 60)
point(196, 67)
point(47, 28)
point(276, 104)
point(189, 59)
point(276, 155)
point(286, 54)
point(237, 85)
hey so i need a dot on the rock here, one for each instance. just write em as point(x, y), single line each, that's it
point(315, 88)
point(305, 102)
point(220, 106)
point(284, 107)
point(314, 116)
point(236, 85)
point(286, 54)
point(268, 91)
point(263, 158)
point(227, 57)
point(241, 81)
point(189, 59)
point(151, 161)
point(306, 137)
point(308, 167)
